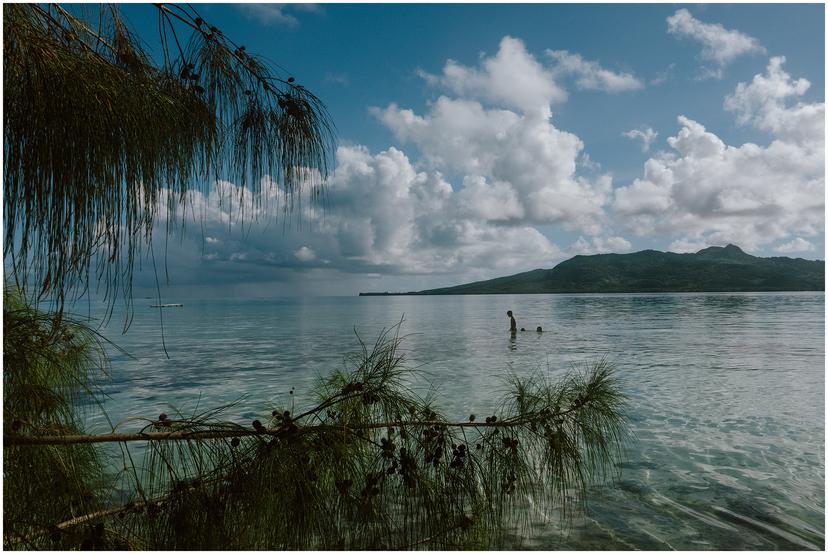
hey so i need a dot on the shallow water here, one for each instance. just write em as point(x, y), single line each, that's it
point(726, 392)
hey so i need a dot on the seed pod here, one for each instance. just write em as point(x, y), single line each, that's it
point(235, 442)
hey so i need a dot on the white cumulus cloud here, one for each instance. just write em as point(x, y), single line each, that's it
point(386, 213)
point(719, 45)
point(707, 192)
point(383, 217)
point(590, 75)
point(688, 246)
point(277, 14)
point(512, 78)
point(646, 134)
point(517, 166)
point(796, 245)
point(600, 245)
point(530, 160)
point(763, 103)
point(526, 155)
point(511, 168)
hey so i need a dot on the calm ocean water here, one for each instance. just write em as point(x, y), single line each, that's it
point(726, 392)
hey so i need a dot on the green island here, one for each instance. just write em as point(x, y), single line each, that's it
point(713, 269)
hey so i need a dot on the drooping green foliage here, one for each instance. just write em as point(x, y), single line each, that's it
point(97, 136)
point(369, 465)
point(48, 369)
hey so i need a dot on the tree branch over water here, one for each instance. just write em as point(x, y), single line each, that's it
point(225, 433)
point(370, 464)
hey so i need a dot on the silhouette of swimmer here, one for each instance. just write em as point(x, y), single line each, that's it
point(513, 323)
point(539, 329)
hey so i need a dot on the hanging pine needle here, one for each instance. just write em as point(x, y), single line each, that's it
point(97, 137)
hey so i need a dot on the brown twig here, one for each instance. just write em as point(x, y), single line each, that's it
point(35, 440)
point(168, 12)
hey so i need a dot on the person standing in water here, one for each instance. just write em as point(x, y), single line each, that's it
point(513, 323)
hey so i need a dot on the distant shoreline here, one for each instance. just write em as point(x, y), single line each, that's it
point(424, 293)
point(714, 269)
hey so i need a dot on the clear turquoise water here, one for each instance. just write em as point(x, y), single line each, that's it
point(726, 392)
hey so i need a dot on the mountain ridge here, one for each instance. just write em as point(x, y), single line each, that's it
point(713, 269)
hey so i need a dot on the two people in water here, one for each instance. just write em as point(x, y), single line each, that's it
point(513, 324)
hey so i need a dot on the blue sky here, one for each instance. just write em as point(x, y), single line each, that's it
point(482, 140)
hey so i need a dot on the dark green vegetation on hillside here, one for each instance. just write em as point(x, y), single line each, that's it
point(714, 269)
